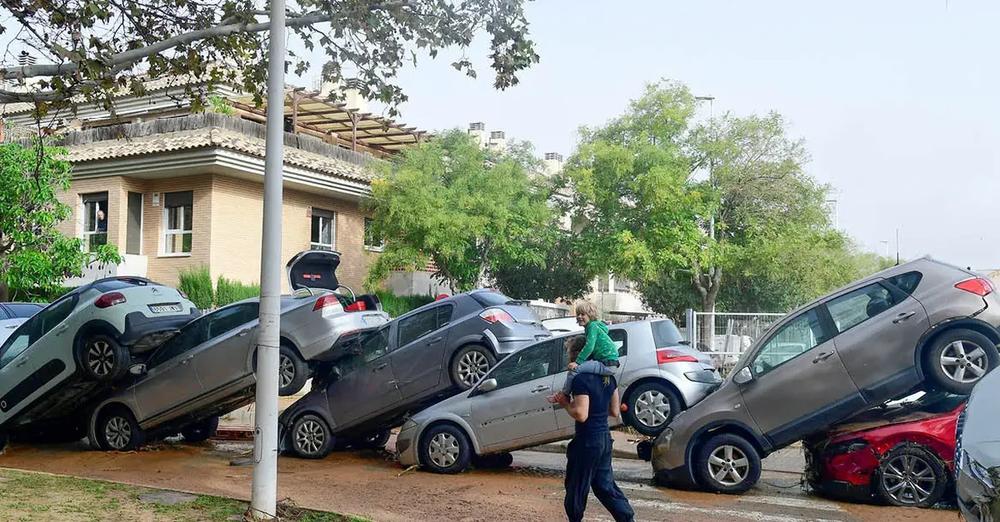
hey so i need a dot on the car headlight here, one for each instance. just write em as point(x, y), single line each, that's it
point(704, 376)
point(980, 472)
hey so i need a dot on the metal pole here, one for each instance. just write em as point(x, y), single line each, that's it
point(265, 471)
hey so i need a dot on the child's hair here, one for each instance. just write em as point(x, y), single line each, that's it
point(586, 308)
point(574, 345)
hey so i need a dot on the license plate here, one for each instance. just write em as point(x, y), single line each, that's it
point(165, 308)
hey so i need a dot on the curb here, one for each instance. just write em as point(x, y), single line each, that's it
point(560, 447)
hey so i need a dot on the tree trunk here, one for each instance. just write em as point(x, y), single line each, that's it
point(707, 285)
point(4, 292)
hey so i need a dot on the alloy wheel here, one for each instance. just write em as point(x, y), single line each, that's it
point(310, 437)
point(909, 479)
point(286, 371)
point(444, 450)
point(472, 367)
point(118, 432)
point(728, 465)
point(964, 361)
point(652, 408)
point(100, 357)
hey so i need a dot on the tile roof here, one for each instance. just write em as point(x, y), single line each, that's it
point(213, 136)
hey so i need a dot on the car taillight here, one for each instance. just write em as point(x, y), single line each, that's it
point(976, 285)
point(496, 315)
point(356, 306)
point(109, 299)
point(325, 301)
point(666, 355)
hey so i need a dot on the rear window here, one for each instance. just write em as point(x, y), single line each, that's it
point(118, 284)
point(488, 299)
point(906, 282)
point(24, 310)
point(665, 333)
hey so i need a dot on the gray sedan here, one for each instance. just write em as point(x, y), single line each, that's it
point(509, 411)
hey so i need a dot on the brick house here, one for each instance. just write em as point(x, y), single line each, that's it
point(175, 190)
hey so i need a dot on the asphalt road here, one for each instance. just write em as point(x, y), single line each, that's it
point(372, 484)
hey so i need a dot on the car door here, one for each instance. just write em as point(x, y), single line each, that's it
point(33, 357)
point(222, 359)
point(517, 411)
point(878, 330)
point(171, 379)
point(418, 361)
point(799, 383)
point(366, 385)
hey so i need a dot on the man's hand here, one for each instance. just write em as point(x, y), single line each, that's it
point(572, 366)
point(559, 398)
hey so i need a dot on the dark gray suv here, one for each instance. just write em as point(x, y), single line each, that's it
point(920, 324)
point(375, 379)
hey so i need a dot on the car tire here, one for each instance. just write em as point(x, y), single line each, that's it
point(117, 430)
point(911, 476)
point(493, 461)
point(201, 430)
point(102, 359)
point(727, 463)
point(445, 448)
point(470, 364)
point(292, 371)
point(958, 359)
point(375, 440)
point(650, 407)
point(311, 438)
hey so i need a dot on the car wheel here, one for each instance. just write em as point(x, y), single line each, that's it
point(727, 463)
point(376, 440)
point(958, 359)
point(470, 365)
point(311, 437)
point(445, 449)
point(201, 430)
point(911, 476)
point(292, 372)
point(102, 358)
point(651, 407)
point(493, 461)
point(117, 430)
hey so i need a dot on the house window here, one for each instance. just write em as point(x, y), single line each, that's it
point(373, 241)
point(95, 220)
point(178, 210)
point(324, 229)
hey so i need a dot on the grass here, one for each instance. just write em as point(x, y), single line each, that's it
point(35, 496)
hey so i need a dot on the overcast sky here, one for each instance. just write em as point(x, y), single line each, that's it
point(898, 101)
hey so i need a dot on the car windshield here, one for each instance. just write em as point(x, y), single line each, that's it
point(491, 298)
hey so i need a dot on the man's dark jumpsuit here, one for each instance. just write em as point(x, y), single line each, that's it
point(588, 459)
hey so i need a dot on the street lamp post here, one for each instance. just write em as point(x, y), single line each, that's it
point(264, 492)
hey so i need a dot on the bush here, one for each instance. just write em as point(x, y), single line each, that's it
point(228, 291)
point(197, 284)
point(397, 305)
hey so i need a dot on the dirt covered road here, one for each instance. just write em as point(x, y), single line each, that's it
point(373, 485)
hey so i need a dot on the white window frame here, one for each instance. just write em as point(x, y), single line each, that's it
point(85, 234)
point(168, 232)
point(368, 246)
point(330, 216)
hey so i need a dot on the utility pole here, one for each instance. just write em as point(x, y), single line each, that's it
point(263, 504)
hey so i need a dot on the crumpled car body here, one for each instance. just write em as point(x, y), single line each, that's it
point(900, 454)
point(977, 467)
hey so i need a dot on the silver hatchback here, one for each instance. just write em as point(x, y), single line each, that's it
point(508, 410)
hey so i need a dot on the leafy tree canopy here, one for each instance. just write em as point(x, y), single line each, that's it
point(96, 48)
point(466, 209)
point(34, 257)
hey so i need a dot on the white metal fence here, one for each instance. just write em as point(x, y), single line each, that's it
point(731, 333)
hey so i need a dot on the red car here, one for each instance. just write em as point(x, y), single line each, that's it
point(901, 454)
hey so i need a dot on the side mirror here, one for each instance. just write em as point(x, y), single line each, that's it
point(487, 386)
point(138, 369)
point(743, 376)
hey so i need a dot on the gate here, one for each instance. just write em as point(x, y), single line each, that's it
point(731, 333)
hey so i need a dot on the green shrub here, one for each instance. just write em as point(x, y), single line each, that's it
point(197, 284)
point(397, 305)
point(228, 291)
